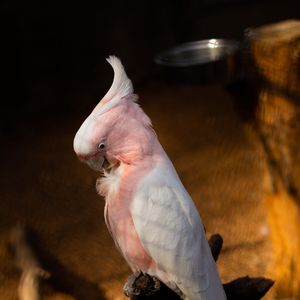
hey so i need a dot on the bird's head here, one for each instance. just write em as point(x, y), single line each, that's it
point(117, 131)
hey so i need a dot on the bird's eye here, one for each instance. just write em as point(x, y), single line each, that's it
point(101, 146)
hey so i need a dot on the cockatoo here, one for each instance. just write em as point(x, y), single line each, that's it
point(149, 214)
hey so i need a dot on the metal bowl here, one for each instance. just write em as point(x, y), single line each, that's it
point(213, 60)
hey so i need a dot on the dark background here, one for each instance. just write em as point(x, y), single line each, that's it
point(53, 51)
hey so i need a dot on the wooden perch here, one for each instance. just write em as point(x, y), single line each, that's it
point(246, 288)
point(145, 287)
point(215, 243)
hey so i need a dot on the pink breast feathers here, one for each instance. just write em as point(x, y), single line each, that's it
point(120, 224)
point(121, 227)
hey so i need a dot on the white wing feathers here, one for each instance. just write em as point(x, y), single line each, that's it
point(165, 234)
point(170, 230)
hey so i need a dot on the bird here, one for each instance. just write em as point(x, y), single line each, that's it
point(148, 212)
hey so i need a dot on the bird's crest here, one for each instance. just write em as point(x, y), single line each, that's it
point(120, 88)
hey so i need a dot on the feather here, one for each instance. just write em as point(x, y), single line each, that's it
point(171, 232)
point(120, 88)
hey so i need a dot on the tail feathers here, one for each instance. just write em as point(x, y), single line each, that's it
point(120, 88)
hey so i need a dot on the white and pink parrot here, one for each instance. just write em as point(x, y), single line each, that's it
point(148, 212)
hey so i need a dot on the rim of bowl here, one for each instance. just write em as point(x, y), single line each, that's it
point(168, 57)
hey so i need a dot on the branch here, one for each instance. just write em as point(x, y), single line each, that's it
point(146, 287)
point(246, 288)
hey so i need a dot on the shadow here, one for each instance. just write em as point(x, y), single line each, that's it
point(245, 99)
point(62, 279)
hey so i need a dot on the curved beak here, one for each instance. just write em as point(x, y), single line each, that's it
point(96, 163)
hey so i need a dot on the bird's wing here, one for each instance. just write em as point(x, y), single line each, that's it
point(171, 231)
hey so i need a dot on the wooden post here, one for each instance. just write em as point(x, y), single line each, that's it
point(275, 51)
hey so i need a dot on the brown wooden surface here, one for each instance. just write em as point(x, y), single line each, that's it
point(275, 50)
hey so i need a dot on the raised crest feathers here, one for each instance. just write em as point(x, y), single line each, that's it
point(120, 88)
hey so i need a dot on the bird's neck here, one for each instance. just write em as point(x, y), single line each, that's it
point(122, 180)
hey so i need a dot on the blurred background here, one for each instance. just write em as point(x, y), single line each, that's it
point(234, 144)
